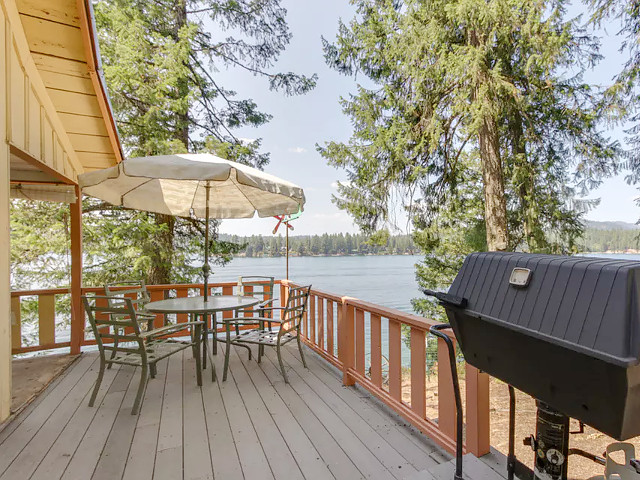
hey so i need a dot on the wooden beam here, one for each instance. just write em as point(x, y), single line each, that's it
point(93, 64)
point(77, 312)
point(44, 168)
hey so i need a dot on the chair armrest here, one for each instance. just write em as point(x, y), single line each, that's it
point(263, 305)
point(168, 329)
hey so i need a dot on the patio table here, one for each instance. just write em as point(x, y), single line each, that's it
point(195, 306)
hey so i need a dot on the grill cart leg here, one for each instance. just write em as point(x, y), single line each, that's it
point(435, 330)
point(511, 457)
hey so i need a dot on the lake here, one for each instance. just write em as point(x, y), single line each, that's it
point(388, 280)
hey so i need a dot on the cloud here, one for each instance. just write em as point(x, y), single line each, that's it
point(297, 150)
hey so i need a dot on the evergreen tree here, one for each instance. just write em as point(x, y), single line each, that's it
point(477, 116)
point(159, 61)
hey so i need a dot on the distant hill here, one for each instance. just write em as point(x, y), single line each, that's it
point(611, 225)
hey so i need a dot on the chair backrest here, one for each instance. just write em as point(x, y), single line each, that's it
point(262, 287)
point(297, 299)
point(113, 317)
point(136, 290)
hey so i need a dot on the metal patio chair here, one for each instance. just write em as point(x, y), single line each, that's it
point(290, 317)
point(261, 287)
point(137, 348)
point(137, 291)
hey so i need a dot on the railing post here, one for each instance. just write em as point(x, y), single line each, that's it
point(477, 398)
point(346, 350)
point(77, 312)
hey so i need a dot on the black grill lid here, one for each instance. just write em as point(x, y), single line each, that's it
point(563, 329)
point(582, 303)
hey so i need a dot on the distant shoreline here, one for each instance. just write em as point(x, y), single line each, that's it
point(630, 251)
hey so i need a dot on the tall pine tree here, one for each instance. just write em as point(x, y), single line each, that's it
point(476, 111)
point(160, 62)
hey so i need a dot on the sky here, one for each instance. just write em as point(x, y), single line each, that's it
point(300, 123)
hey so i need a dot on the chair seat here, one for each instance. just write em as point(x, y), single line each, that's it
point(157, 349)
point(263, 337)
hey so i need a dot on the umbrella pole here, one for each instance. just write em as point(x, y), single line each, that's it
point(205, 267)
point(287, 248)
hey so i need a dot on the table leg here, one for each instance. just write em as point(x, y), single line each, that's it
point(214, 327)
point(205, 335)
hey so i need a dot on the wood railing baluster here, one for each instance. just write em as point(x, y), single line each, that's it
point(311, 314)
point(418, 371)
point(446, 399)
point(376, 350)
point(320, 319)
point(16, 323)
point(46, 319)
point(330, 347)
point(395, 360)
point(360, 341)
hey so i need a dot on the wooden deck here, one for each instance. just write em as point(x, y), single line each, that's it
point(251, 426)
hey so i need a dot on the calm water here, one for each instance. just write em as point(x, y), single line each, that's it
point(385, 280)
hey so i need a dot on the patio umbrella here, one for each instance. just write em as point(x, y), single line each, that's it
point(202, 185)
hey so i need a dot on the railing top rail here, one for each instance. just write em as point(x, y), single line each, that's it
point(314, 291)
point(40, 291)
point(151, 288)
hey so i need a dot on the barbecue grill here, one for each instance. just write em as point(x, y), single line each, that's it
point(565, 330)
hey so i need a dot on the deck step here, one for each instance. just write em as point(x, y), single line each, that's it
point(472, 469)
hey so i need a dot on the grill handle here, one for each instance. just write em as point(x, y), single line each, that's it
point(435, 330)
point(446, 298)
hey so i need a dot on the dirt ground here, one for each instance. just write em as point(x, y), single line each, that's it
point(591, 440)
point(31, 375)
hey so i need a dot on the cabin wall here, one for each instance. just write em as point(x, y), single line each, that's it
point(5, 300)
point(33, 125)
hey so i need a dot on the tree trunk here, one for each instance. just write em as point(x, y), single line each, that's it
point(495, 205)
point(161, 268)
point(162, 254)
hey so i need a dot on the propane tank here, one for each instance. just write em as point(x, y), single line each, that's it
point(551, 443)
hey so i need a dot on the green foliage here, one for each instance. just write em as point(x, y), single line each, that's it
point(444, 75)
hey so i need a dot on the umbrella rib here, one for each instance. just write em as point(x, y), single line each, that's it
point(238, 184)
point(132, 189)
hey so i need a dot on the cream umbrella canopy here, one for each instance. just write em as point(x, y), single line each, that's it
point(202, 185)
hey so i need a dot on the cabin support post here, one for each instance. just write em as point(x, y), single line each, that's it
point(77, 313)
point(5, 281)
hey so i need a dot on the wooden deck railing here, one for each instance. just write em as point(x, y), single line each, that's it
point(353, 335)
point(342, 329)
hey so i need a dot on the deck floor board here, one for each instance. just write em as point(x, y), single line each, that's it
point(254, 426)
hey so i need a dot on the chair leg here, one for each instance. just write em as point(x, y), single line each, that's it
point(227, 352)
point(153, 370)
point(98, 382)
point(284, 373)
point(115, 346)
point(304, 362)
point(141, 388)
point(199, 364)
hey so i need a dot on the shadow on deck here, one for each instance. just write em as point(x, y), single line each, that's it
point(251, 426)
